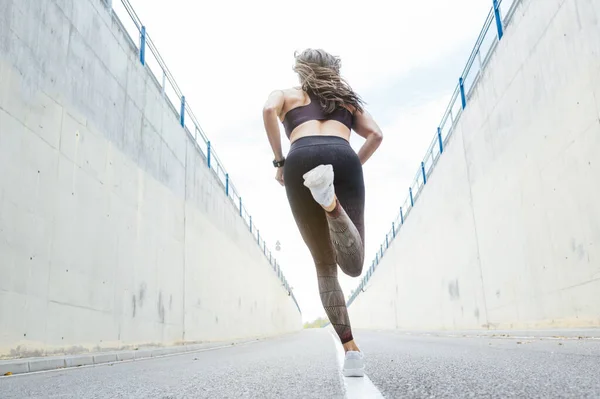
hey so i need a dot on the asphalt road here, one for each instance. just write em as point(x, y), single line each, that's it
point(306, 365)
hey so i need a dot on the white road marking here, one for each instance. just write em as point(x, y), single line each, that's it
point(356, 387)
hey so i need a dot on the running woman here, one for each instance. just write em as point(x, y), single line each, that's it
point(323, 177)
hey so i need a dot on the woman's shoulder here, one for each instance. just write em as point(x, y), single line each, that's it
point(293, 92)
point(294, 96)
point(289, 94)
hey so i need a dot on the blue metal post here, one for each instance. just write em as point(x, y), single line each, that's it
point(463, 99)
point(440, 140)
point(394, 230)
point(387, 242)
point(412, 201)
point(498, 19)
point(227, 184)
point(143, 45)
point(182, 114)
point(258, 236)
point(381, 250)
point(401, 216)
point(423, 171)
point(240, 206)
point(250, 224)
point(208, 154)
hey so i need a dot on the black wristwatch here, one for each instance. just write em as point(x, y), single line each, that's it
point(279, 164)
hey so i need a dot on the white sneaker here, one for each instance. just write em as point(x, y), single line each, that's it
point(320, 182)
point(354, 364)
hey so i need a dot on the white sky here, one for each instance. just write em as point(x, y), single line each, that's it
point(404, 57)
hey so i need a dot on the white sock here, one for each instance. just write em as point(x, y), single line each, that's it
point(320, 182)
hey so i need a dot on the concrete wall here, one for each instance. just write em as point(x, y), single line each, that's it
point(113, 232)
point(506, 234)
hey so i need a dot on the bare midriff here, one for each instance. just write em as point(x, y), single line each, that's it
point(297, 98)
point(320, 128)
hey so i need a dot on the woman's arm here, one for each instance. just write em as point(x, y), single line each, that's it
point(365, 126)
point(271, 112)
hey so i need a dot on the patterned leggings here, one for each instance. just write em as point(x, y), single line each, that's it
point(335, 238)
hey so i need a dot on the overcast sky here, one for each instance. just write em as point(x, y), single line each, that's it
point(403, 57)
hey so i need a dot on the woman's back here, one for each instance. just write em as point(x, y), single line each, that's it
point(303, 115)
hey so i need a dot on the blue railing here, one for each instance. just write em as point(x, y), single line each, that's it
point(493, 29)
point(140, 38)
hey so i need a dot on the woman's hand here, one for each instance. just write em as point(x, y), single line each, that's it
point(279, 176)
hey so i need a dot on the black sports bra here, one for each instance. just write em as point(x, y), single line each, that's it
point(313, 111)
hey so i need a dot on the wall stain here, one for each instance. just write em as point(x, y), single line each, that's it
point(476, 313)
point(142, 294)
point(171, 302)
point(161, 308)
point(453, 290)
point(134, 304)
point(578, 249)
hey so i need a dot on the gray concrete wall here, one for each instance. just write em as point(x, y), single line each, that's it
point(506, 234)
point(113, 232)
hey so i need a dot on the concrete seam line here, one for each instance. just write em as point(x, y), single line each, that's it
point(584, 334)
point(593, 333)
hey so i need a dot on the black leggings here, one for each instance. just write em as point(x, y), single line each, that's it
point(335, 238)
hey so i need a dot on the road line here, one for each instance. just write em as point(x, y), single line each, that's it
point(355, 387)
